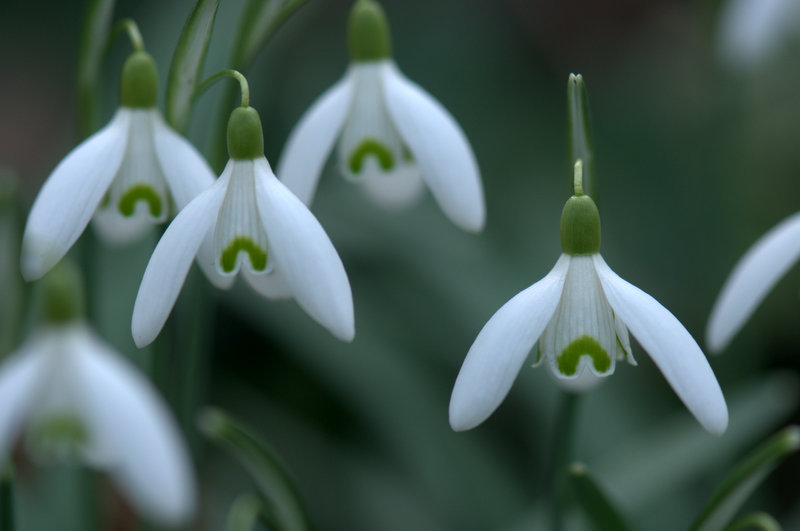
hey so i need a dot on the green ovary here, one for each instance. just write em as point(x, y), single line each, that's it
point(583, 346)
point(140, 192)
point(258, 256)
point(368, 147)
point(61, 427)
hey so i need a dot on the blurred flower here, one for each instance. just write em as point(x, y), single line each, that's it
point(247, 218)
point(750, 31)
point(753, 277)
point(392, 134)
point(124, 176)
point(77, 397)
point(580, 314)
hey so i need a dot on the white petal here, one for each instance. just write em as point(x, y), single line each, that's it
point(21, 375)
point(394, 190)
point(497, 355)
point(116, 229)
point(440, 149)
point(671, 347)
point(312, 139)
point(749, 31)
point(186, 171)
point(133, 431)
point(752, 278)
point(271, 285)
point(304, 255)
point(171, 260)
point(70, 195)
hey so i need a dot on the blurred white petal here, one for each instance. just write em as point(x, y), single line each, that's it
point(671, 347)
point(439, 147)
point(394, 190)
point(497, 355)
point(750, 31)
point(171, 260)
point(134, 433)
point(70, 195)
point(312, 139)
point(766, 262)
point(304, 255)
point(186, 171)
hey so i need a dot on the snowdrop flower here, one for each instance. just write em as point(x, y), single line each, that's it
point(76, 397)
point(247, 221)
point(391, 134)
point(126, 176)
point(753, 277)
point(579, 316)
point(750, 31)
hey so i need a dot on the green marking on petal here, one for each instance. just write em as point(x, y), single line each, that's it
point(62, 427)
point(140, 192)
point(583, 346)
point(258, 256)
point(368, 147)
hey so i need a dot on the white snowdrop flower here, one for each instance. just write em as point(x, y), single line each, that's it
point(766, 262)
point(127, 176)
point(750, 31)
point(73, 396)
point(247, 222)
point(579, 315)
point(393, 137)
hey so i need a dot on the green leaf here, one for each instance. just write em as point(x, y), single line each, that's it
point(744, 479)
point(96, 28)
point(7, 497)
point(579, 132)
point(593, 500)
point(12, 300)
point(260, 20)
point(245, 513)
point(187, 63)
point(757, 520)
point(283, 502)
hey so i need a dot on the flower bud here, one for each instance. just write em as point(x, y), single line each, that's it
point(139, 86)
point(580, 226)
point(368, 32)
point(245, 136)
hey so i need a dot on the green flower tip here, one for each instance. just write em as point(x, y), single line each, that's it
point(368, 32)
point(63, 296)
point(580, 226)
point(139, 86)
point(245, 136)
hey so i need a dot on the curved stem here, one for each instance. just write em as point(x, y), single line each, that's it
point(235, 74)
point(129, 26)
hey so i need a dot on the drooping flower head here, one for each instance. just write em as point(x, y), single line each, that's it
point(392, 135)
point(128, 175)
point(576, 319)
point(74, 397)
point(247, 222)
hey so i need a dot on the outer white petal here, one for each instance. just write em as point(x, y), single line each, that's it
point(752, 278)
point(70, 195)
point(21, 376)
point(171, 260)
point(312, 139)
point(133, 431)
point(671, 347)
point(497, 355)
point(750, 30)
point(186, 171)
point(440, 148)
point(304, 255)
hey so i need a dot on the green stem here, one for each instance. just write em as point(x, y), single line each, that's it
point(758, 520)
point(577, 179)
point(7, 498)
point(128, 26)
point(235, 74)
point(562, 450)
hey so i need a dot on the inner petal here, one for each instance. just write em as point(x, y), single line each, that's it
point(582, 332)
point(139, 188)
point(369, 133)
point(57, 436)
point(240, 235)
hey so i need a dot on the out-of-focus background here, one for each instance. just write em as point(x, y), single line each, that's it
point(696, 156)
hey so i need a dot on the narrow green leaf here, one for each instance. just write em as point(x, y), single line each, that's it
point(593, 500)
point(579, 132)
point(260, 20)
point(757, 520)
point(244, 513)
point(187, 61)
point(283, 502)
point(12, 299)
point(744, 479)
point(96, 27)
